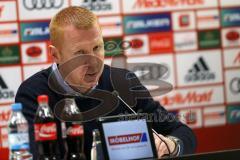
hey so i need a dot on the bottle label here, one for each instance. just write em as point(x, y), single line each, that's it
point(45, 131)
point(75, 130)
point(18, 141)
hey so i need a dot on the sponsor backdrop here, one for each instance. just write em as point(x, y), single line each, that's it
point(197, 40)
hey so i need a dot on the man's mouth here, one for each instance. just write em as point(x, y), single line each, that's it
point(92, 74)
point(90, 77)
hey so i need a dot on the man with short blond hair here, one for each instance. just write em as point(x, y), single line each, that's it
point(78, 17)
point(74, 32)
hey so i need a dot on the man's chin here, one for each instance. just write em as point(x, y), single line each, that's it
point(83, 88)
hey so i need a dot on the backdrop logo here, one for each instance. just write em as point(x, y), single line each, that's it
point(150, 6)
point(34, 31)
point(97, 5)
point(209, 39)
point(208, 19)
point(9, 54)
point(184, 20)
point(158, 4)
point(5, 114)
point(237, 59)
point(185, 41)
point(200, 71)
point(111, 26)
point(5, 92)
point(147, 23)
point(3, 85)
point(115, 46)
point(150, 71)
point(230, 37)
point(230, 17)
point(233, 114)
point(233, 36)
point(214, 116)
point(139, 44)
point(235, 85)
point(42, 4)
point(161, 43)
point(191, 97)
point(34, 51)
point(8, 32)
point(192, 117)
point(127, 139)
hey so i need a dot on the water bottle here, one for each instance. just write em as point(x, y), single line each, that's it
point(18, 134)
point(96, 151)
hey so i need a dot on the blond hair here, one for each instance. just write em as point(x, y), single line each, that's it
point(79, 17)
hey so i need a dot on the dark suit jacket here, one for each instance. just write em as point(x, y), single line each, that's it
point(38, 84)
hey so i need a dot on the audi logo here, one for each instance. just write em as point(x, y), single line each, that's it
point(42, 4)
point(152, 71)
point(235, 85)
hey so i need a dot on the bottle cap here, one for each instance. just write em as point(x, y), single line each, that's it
point(42, 99)
point(16, 106)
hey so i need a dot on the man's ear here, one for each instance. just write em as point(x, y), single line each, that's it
point(54, 53)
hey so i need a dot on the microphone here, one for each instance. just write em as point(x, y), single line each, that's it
point(154, 131)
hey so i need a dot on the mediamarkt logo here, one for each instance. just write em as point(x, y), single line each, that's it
point(126, 139)
point(191, 97)
point(165, 3)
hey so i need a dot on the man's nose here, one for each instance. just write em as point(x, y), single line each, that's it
point(94, 61)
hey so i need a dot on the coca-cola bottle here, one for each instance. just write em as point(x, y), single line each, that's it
point(74, 132)
point(45, 131)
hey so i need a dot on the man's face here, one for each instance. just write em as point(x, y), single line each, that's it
point(87, 47)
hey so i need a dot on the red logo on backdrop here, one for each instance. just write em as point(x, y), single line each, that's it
point(4, 117)
point(214, 115)
point(191, 118)
point(161, 43)
point(237, 59)
point(232, 36)
point(124, 139)
point(47, 131)
point(137, 43)
point(34, 51)
point(75, 130)
point(165, 3)
point(191, 97)
point(1, 10)
point(184, 20)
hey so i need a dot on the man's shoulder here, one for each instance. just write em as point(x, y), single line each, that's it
point(36, 81)
point(109, 69)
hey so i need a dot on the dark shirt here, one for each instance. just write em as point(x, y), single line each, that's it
point(38, 84)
